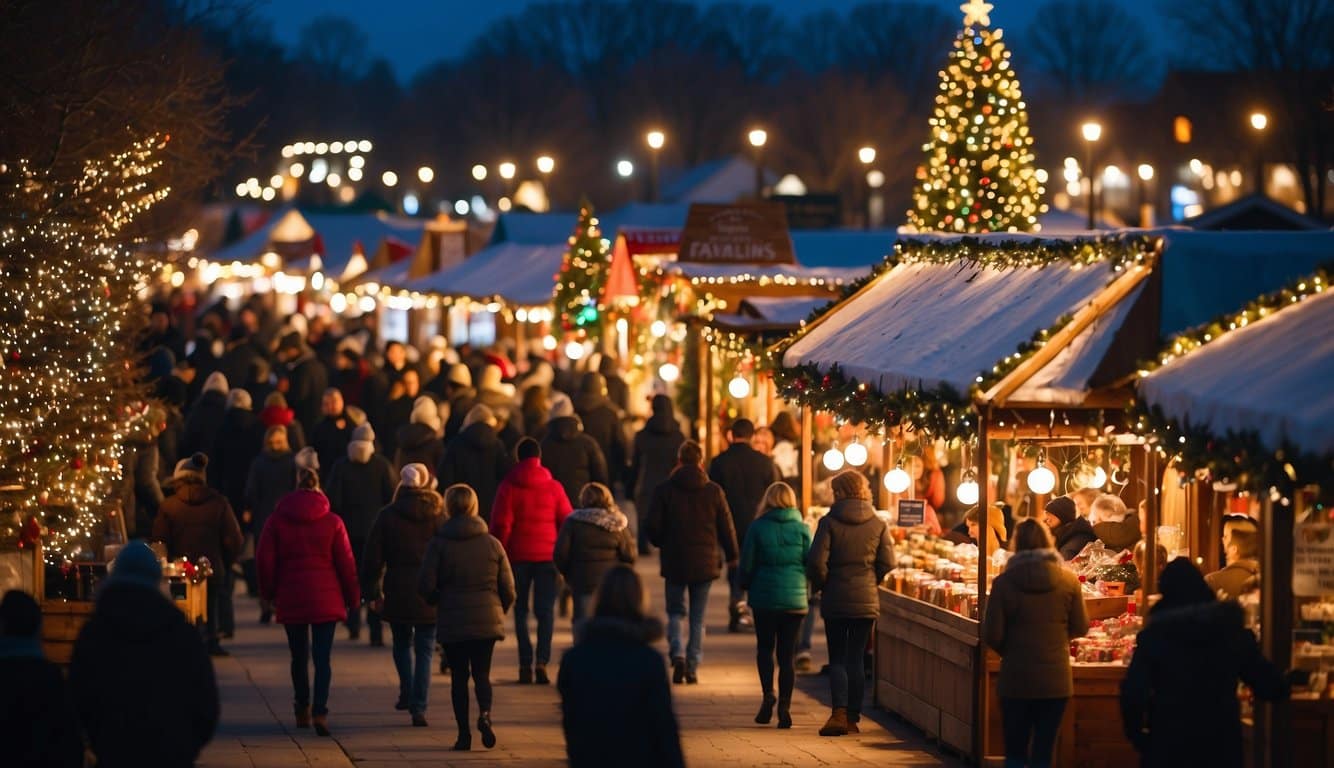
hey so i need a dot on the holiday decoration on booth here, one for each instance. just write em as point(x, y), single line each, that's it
point(583, 275)
point(69, 311)
point(979, 173)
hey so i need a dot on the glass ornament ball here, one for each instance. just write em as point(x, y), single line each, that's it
point(833, 459)
point(1041, 480)
point(967, 492)
point(856, 454)
point(897, 480)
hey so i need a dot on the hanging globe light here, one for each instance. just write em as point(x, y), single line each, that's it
point(967, 492)
point(897, 480)
point(1041, 481)
point(738, 387)
point(833, 459)
point(856, 454)
point(669, 372)
point(1099, 478)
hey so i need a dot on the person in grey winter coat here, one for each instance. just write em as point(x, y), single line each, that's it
point(467, 576)
point(360, 485)
point(689, 521)
point(572, 457)
point(390, 565)
point(851, 553)
point(477, 457)
point(653, 456)
point(592, 540)
point(744, 474)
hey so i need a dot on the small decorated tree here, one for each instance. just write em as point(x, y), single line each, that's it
point(979, 174)
point(69, 309)
point(582, 277)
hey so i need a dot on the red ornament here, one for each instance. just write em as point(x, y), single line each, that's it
point(826, 381)
point(77, 463)
point(30, 533)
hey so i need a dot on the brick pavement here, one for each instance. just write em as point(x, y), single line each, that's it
point(715, 716)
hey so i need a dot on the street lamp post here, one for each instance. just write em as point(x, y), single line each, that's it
point(1259, 123)
point(507, 170)
point(1092, 131)
point(867, 156)
point(757, 137)
point(1145, 206)
point(545, 165)
point(655, 140)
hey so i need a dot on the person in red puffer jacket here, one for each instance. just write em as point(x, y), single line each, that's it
point(526, 517)
point(309, 576)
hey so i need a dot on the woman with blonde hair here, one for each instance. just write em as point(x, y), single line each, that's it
point(593, 539)
point(773, 571)
point(1036, 608)
point(467, 576)
point(851, 553)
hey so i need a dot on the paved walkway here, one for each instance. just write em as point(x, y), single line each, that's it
point(715, 716)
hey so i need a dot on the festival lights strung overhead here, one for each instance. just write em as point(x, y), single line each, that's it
point(69, 308)
point(979, 173)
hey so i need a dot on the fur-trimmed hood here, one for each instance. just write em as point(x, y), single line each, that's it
point(608, 519)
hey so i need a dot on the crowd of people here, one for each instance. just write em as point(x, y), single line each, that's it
point(438, 508)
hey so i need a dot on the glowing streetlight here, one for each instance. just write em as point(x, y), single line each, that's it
point(425, 174)
point(479, 172)
point(655, 140)
point(866, 155)
point(757, 137)
point(507, 170)
point(625, 169)
point(545, 164)
point(389, 178)
point(1092, 131)
point(1145, 173)
point(1259, 122)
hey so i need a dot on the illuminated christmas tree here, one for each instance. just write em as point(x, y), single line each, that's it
point(69, 308)
point(583, 274)
point(979, 174)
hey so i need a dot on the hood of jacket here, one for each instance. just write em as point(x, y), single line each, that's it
point(303, 505)
point(529, 473)
point(663, 421)
point(1035, 570)
point(135, 613)
point(463, 527)
point(418, 503)
point(1080, 525)
point(689, 478)
point(564, 428)
point(360, 451)
point(852, 511)
point(585, 402)
point(784, 515)
point(273, 457)
point(1116, 533)
point(195, 494)
point(415, 435)
point(212, 398)
point(622, 631)
point(608, 519)
point(1199, 624)
point(277, 416)
point(480, 435)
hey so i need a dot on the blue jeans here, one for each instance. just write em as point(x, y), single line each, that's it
point(804, 644)
point(540, 580)
point(676, 611)
point(311, 642)
point(583, 606)
point(414, 680)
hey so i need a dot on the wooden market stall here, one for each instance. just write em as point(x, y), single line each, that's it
point(1002, 339)
point(1247, 400)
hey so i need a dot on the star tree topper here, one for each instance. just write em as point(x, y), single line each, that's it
point(976, 12)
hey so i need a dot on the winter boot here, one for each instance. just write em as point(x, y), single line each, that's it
point(678, 670)
point(303, 717)
point(484, 726)
point(540, 675)
point(803, 662)
point(418, 720)
point(321, 725)
point(784, 713)
point(837, 724)
point(464, 742)
point(525, 675)
point(766, 712)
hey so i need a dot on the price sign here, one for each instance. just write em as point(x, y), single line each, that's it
point(912, 512)
point(1313, 560)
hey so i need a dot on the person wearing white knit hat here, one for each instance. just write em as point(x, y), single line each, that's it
point(420, 441)
point(360, 484)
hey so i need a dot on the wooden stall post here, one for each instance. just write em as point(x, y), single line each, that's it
point(981, 694)
point(1274, 744)
point(710, 400)
point(807, 458)
point(1152, 514)
point(701, 404)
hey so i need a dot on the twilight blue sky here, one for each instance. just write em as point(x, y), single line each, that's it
point(414, 33)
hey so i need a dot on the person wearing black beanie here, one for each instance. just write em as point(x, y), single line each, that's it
point(1071, 532)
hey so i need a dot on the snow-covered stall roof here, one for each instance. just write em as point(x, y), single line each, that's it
point(761, 272)
point(518, 273)
point(924, 325)
point(255, 243)
point(781, 309)
point(340, 232)
point(1271, 377)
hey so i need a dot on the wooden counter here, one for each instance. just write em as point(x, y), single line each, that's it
point(62, 619)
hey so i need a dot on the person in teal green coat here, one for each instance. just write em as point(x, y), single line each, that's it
point(773, 572)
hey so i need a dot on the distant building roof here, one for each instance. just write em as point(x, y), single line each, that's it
point(718, 181)
point(1254, 212)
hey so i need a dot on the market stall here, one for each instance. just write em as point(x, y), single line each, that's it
point(1245, 403)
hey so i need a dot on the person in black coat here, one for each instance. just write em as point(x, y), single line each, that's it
point(477, 457)
point(240, 437)
point(652, 459)
point(204, 419)
point(1071, 532)
point(304, 379)
point(238, 362)
point(744, 473)
point(162, 332)
point(419, 442)
point(38, 726)
point(360, 485)
point(602, 422)
point(616, 706)
point(398, 411)
point(141, 682)
point(618, 392)
point(272, 475)
point(333, 432)
point(572, 457)
point(1179, 701)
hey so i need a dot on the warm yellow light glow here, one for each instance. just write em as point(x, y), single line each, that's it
point(1145, 171)
point(1259, 121)
point(479, 172)
point(507, 170)
point(545, 164)
point(866, 155)
point(425, 174)
point(389, 178)
point(655, 139)
point(757, 137)
point(1091, 131)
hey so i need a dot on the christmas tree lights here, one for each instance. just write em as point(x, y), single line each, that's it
point(583, 275)
point(70, 288)
point(979, 174)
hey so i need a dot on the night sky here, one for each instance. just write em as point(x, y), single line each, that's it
point(414, 33)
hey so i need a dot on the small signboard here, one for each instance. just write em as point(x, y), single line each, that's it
point(817, 211)
point(743, 233)
point(1313, 560)
point(912, 512)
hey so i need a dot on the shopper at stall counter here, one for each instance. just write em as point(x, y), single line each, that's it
point(1179, 702)
point(1071, 532)
point(743, 473)
point(1241, 552)
point(141, 680)
point(38, 726)
point(850, 555)
point(1036, 608)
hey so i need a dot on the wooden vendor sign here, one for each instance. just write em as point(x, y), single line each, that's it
point(744, 233)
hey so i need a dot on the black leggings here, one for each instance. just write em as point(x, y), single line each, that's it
point(777, 630)
point(463, 656)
